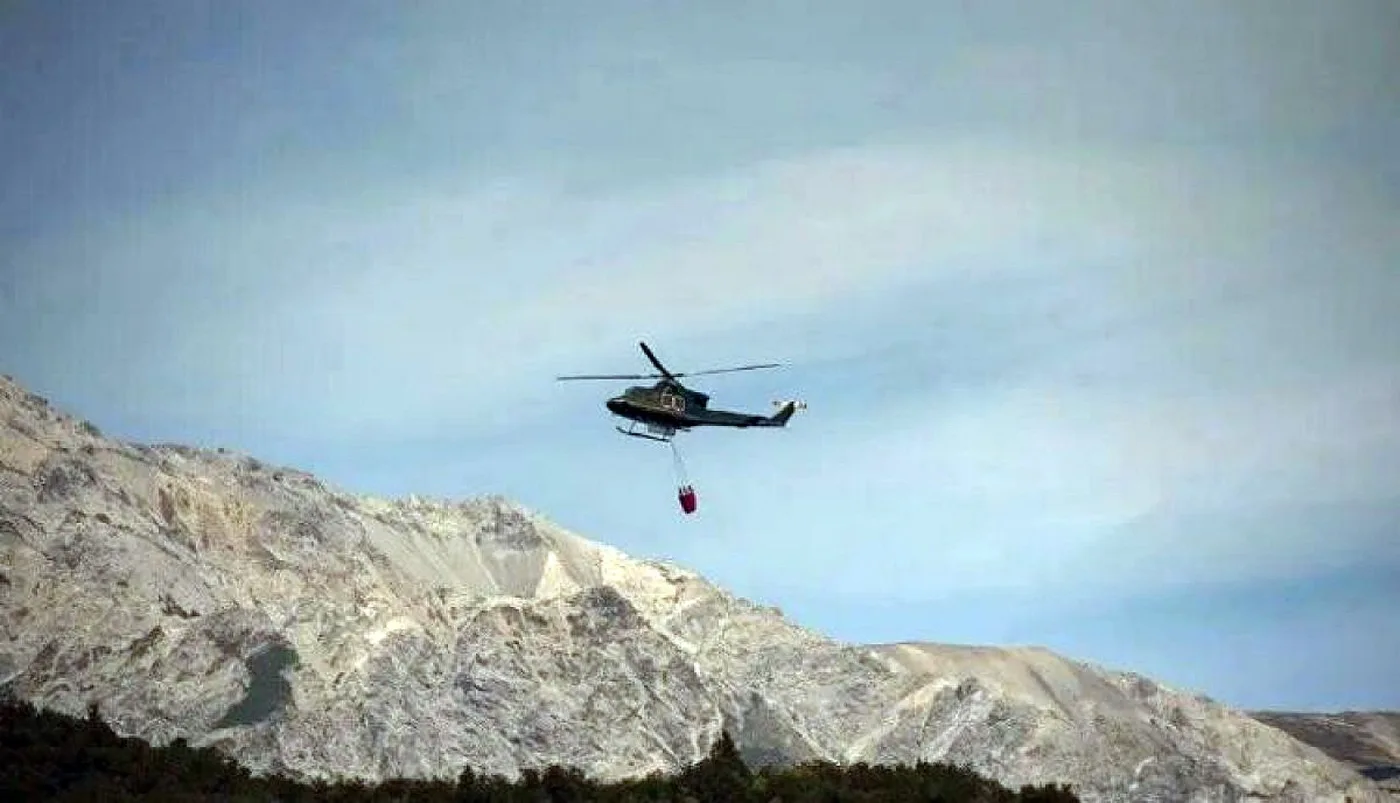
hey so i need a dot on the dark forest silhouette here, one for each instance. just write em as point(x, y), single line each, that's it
point(45, 755)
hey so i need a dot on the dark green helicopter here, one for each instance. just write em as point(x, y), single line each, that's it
point(668, 406)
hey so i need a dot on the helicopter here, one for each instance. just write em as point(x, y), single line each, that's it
point(668, 407)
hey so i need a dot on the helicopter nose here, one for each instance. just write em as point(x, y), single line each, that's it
point(615, 405)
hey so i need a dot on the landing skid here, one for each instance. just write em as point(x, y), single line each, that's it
point(663, 434)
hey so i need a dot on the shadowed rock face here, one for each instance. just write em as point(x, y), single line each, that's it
point(268, 691)
point(204, 595)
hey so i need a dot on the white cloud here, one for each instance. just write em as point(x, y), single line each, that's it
point(450, 304)
point(1066, 493)
point(1221, 405)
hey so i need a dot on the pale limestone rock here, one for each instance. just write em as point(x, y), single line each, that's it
point(204, 595)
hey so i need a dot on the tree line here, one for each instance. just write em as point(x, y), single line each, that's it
point(46, 755)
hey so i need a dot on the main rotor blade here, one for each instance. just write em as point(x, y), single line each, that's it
point(727, 370)
point(607, 376)
point(650, 356)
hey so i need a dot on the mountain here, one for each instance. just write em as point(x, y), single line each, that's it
point(203, 594)
point(1366, 740)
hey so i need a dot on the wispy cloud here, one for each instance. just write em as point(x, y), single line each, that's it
point(448, 305)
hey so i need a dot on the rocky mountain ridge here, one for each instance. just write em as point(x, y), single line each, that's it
point(1368, 741)
point(206, 595)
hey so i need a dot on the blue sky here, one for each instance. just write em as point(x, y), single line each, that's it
point(1093, 304)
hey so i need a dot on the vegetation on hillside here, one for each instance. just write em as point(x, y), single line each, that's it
point(45, 755)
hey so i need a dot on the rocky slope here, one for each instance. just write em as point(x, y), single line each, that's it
point(1366, 740)
point(206, 595)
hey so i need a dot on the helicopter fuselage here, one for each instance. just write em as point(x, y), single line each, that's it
point(670, 405)
point(665, 404)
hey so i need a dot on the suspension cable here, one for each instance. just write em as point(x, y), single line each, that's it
point(682, 478)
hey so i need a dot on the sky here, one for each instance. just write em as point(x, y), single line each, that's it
point(1093, 305)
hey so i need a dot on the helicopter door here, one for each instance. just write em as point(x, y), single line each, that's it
point(672, 402)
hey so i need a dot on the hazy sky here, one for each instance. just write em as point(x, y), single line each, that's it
point(1094, 305)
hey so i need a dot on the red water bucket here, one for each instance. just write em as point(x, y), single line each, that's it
point(687, 497)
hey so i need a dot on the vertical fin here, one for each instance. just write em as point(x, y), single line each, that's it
point(781, 417)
